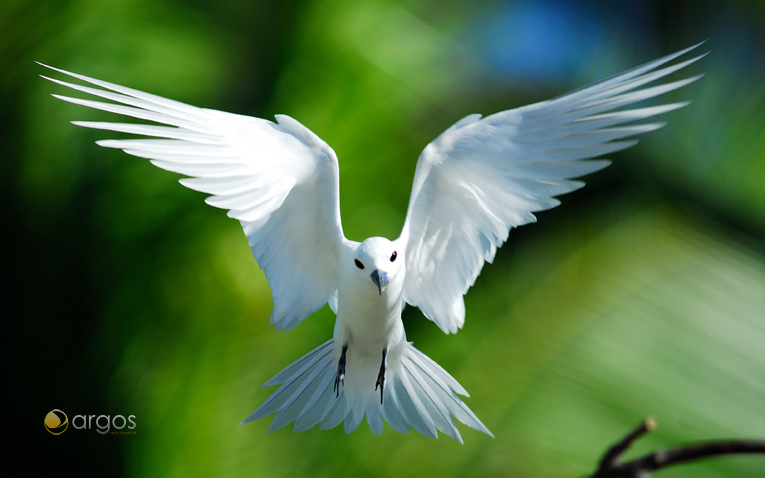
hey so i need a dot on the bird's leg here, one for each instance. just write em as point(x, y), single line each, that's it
point(340, 376)
point(381, 376)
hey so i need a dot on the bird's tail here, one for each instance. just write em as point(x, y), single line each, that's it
point(418, 392)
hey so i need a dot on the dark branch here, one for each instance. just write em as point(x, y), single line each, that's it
point(672, 456)
point(611, 457)
point(610, 467)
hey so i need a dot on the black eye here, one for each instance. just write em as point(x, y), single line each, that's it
point(393, 256)
point(359, 264)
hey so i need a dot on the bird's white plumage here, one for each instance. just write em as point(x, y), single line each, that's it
point(484, 176)
point(472, 184)
point(278, 179)
point(420, 393)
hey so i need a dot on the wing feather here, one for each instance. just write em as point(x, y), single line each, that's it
point(484, 176)
point(278, 179)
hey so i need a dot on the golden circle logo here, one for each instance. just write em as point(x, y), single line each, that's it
point(56, 422)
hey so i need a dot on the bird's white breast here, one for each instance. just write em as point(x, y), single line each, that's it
point(365, 316)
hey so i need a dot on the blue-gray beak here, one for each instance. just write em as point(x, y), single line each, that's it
point(379, 277)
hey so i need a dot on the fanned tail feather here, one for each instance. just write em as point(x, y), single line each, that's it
point(418, 393)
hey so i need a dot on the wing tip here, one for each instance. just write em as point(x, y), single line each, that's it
point(46, 66)
point(683, 51)
point(110, 143)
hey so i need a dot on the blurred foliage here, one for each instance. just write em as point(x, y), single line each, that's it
point(644, 293)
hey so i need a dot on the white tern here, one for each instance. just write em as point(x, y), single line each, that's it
point(472, 184)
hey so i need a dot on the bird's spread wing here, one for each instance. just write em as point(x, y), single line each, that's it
point(278, 179)
point(484, 176)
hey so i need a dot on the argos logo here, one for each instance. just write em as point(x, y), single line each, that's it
point(56, 422)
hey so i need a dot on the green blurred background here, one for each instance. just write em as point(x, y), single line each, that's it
point(642, 294)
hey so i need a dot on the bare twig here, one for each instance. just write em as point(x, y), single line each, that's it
point(609, 460)
point(643, 467)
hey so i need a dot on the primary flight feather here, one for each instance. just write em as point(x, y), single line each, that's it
point(476, 181)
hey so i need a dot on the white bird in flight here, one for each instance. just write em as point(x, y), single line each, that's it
point(472, 184)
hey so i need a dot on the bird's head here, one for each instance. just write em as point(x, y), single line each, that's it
point(377, 260)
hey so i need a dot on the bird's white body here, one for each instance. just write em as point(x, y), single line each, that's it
point(368, 319)
point(364, 314)
point(476, 181)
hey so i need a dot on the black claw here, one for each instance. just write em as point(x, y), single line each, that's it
point(340, 376)
point(381, 376)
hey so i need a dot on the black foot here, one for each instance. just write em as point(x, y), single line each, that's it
point(381, 376)
point(340, 376)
